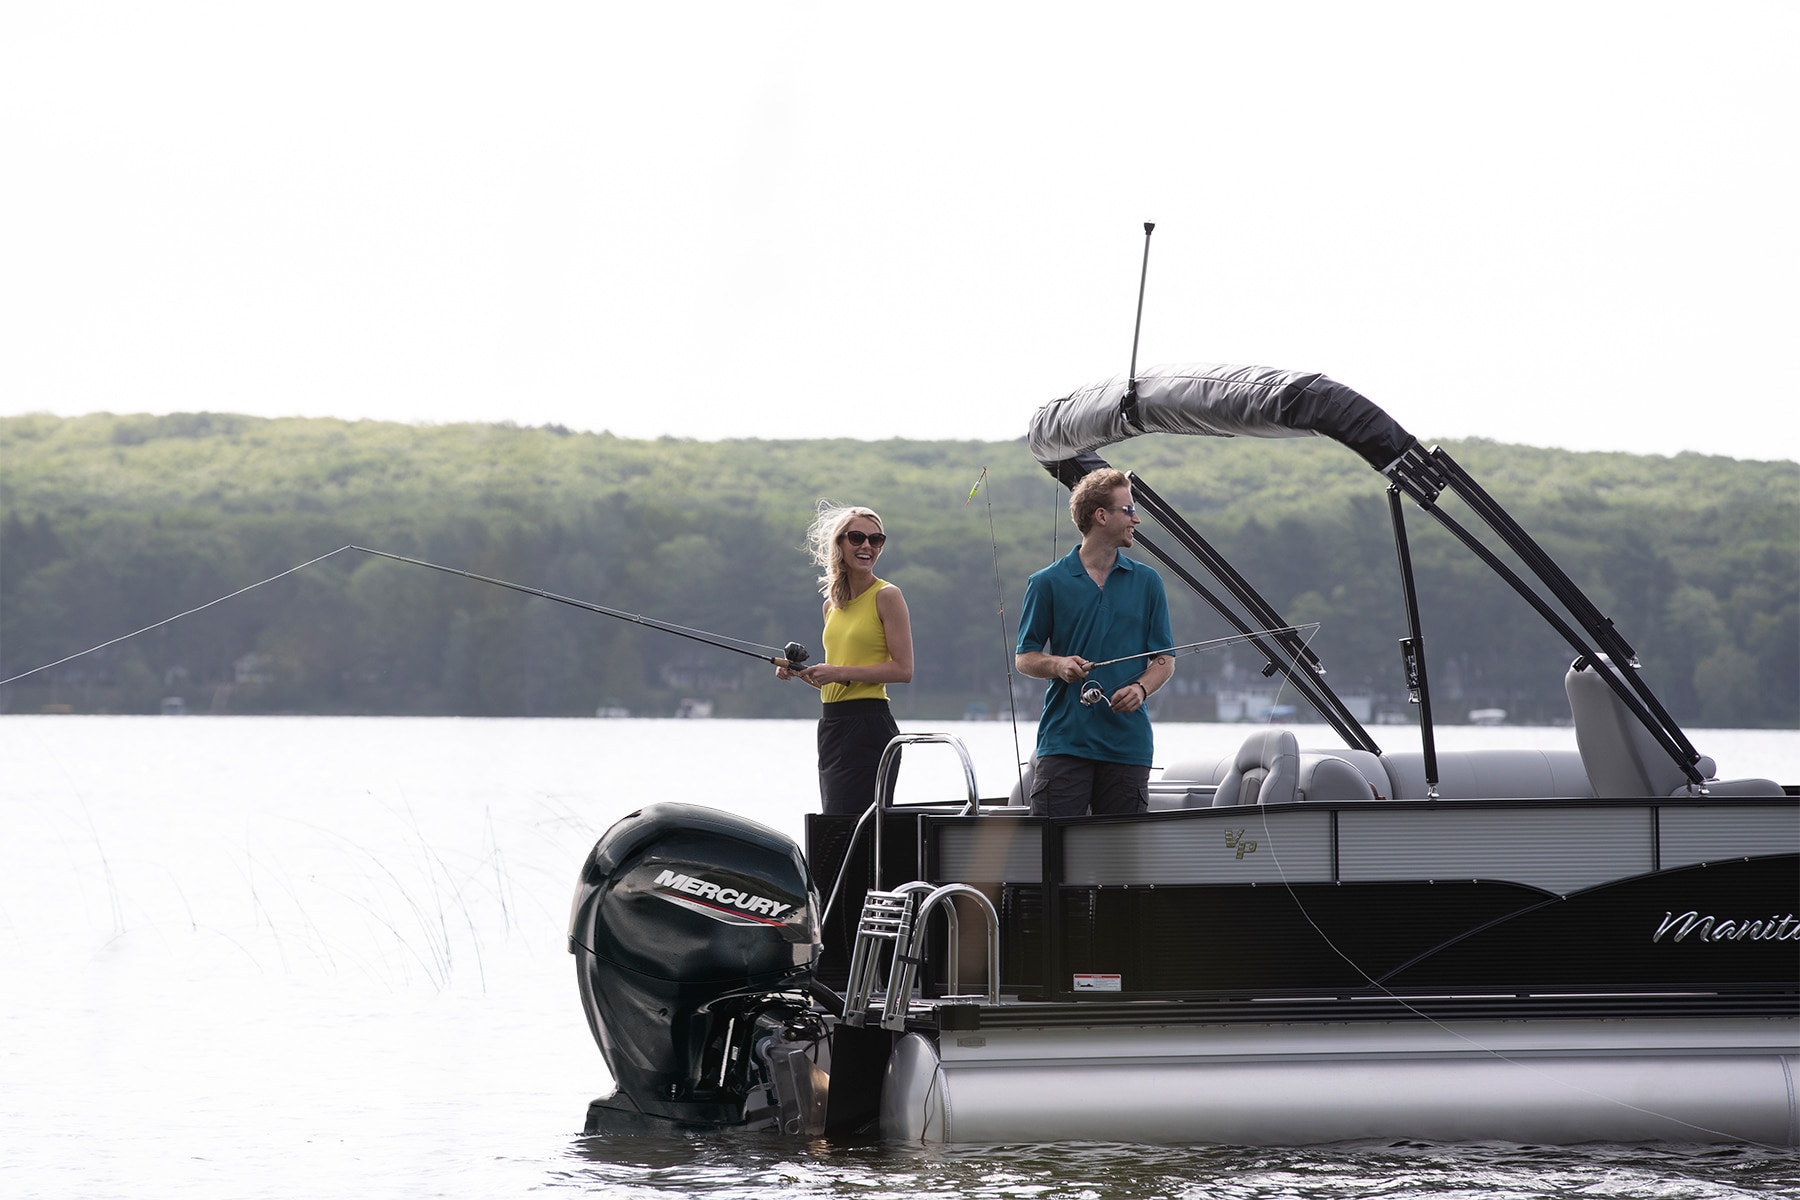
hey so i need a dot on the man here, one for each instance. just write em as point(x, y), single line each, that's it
point(1093, 606)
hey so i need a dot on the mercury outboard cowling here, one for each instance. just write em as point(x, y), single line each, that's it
point(695, 934)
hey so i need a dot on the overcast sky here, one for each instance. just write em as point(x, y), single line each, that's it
point(1564, 224)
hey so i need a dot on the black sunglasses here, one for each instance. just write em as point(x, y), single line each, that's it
point(857, 537)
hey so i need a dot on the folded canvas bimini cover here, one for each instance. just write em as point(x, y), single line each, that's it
point(1214, 400)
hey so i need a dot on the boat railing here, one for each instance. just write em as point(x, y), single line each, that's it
point(899, 919)
point(883, 779)
point(883, 799)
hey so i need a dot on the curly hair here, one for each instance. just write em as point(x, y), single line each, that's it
point(822, 543)
point(1091, 494)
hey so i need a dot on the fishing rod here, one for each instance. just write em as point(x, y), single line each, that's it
point(1196, 647)
point(1092, 693)
point(792, 655)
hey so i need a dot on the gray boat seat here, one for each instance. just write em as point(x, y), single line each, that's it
point(1208, 770)
point(1334, 777)
point(1623, 758)
point(1491, 774)
point(1190, 783)
point(1346, 774)
point(1194, 783)
point(1265, 770)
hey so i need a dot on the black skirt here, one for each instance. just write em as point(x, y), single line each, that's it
point(852, 736)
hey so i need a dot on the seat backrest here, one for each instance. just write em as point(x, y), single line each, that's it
point(1209, 769)
point(1265, 771)
point(1623, 759)
point(1491, 774)
point(1368, 764)
point(1620, 756)
point(1332, 777)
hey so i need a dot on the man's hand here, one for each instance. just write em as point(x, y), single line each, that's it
point(1129, 698)
point(1070, 668)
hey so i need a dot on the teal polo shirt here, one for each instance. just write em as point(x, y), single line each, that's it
point(1065, 613)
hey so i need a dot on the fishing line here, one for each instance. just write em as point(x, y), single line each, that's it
point(1006, 644)
point(190, 612)
point(791, 655)
point(1497, 1055)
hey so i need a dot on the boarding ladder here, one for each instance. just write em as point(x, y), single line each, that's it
point(897, 919)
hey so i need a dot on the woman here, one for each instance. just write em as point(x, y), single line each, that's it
point(868, 645)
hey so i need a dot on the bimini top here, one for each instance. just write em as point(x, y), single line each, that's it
point(1214, 400)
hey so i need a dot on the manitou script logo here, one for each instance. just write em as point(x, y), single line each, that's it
point(1234, 839)
point(1723, 929)
point(722, 902)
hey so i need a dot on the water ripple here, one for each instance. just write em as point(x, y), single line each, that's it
point(749, 1169)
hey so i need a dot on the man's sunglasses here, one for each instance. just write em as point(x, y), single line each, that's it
point(857, 537)
point(1129, 510)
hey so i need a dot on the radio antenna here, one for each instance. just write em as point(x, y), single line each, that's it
point(1131, 396)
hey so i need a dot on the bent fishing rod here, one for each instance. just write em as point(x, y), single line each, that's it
point(1196, 647)
point(792, 655)
point(1092, 693)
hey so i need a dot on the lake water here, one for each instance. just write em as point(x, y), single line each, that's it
point(296, 957)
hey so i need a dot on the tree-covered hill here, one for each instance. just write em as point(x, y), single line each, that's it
point(109, 524)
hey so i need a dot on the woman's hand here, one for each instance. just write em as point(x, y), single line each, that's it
point(820, 674)
point(804, 676)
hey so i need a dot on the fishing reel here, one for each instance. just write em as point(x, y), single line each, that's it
point(796, 654)
point(1092, 693)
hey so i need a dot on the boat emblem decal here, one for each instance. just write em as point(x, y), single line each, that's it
point(733, 905)
point(1234, 839)
point(1714, 929)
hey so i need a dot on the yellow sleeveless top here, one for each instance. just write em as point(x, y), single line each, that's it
point(854, 638)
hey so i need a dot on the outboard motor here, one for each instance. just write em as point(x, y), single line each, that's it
point(695, 934)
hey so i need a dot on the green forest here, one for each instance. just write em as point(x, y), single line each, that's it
point(111, 524)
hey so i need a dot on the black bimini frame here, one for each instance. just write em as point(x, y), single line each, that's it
point(1228, 401)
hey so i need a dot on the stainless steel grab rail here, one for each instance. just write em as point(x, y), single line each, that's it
point(899, 918)
point(911, 944)
point(881, 779)
point(880, 802)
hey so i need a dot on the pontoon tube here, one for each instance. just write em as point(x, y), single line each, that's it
point(1558, 1084)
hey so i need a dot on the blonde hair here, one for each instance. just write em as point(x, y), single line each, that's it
point(822, 542)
